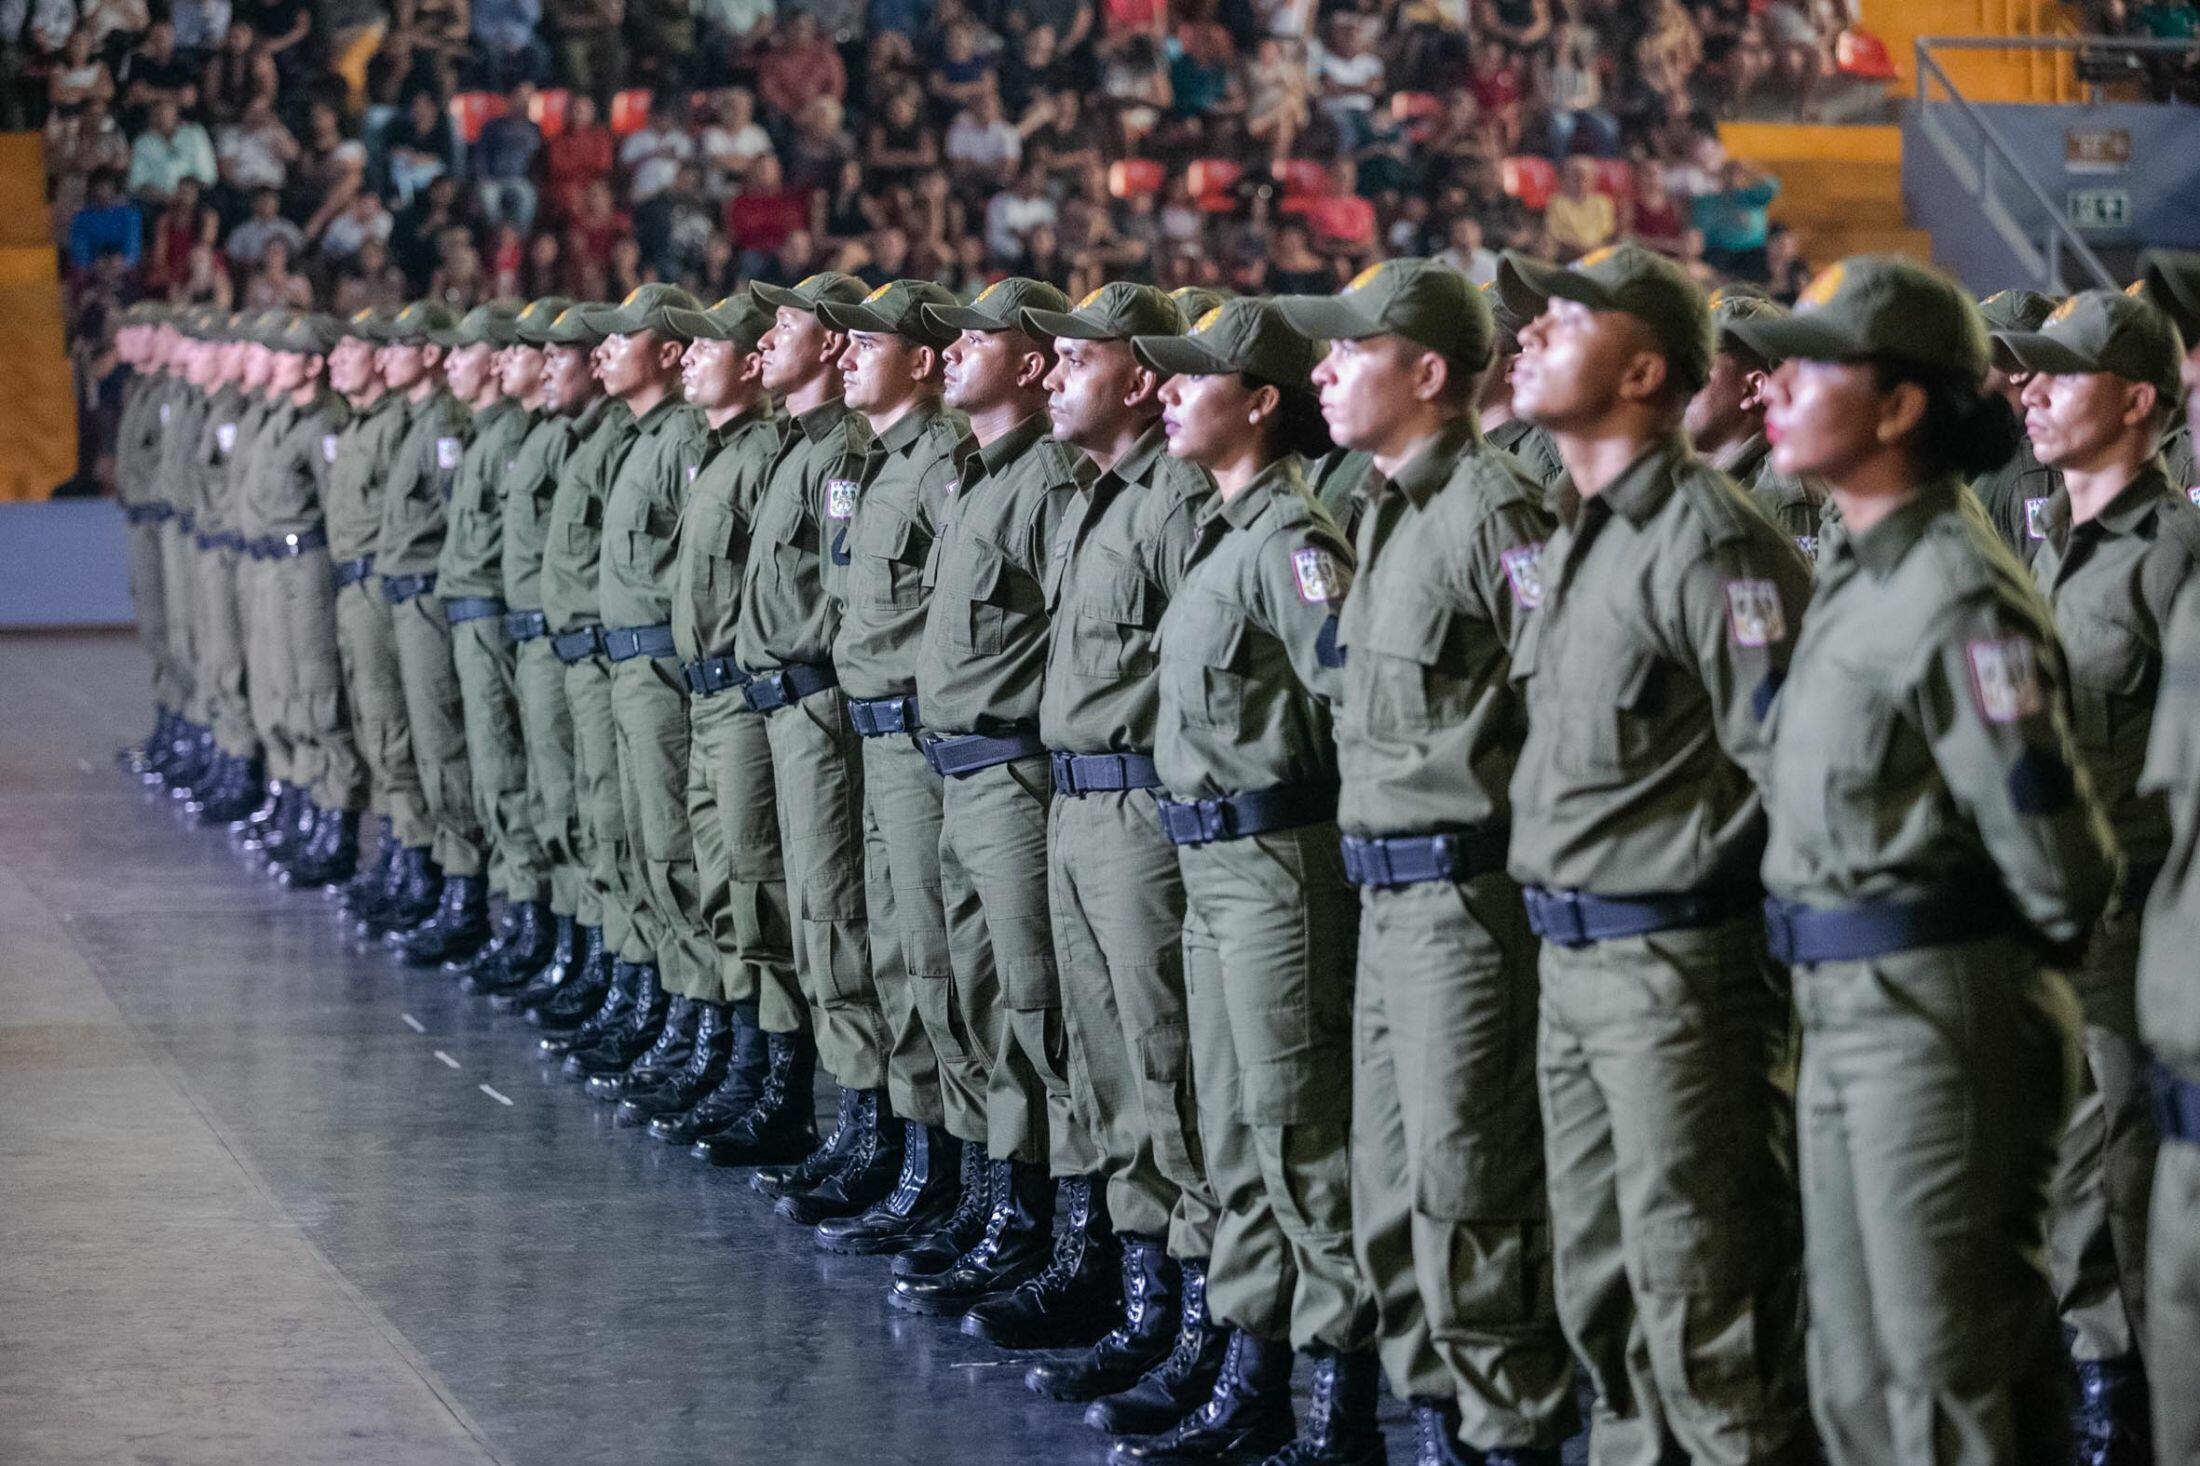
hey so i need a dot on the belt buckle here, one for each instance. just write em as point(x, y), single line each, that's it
point(1779, 930)
point(1216, 819)
point(1065, 772)
point(1569, 930)
point(1376, 868)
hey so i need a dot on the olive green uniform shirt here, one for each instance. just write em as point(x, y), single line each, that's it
point(1335, 480)
point(983, 656)
point(1534, 447)
point(2169, 984)
point(222, 438)
point(2013, 496)
point(1119, 557)
point(416, 492)
point(179, 447)
point(137, 439)
point(528, 491)
point(1250, 669)
point(572, 558)
point(1921, 743)
point(2184, 474)
point(1790, 503)
point(472, 559)
point(789, 587)
point(641, 515)
point(1669, 612)
point(365, 445)
point(908, 474)
point(1447, 573)
point(2111, 581)
point(287, 479)
point(713, 549)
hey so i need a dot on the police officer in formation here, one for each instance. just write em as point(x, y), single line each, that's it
point(1336, 826)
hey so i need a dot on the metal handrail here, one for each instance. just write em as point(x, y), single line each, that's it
point(2062, 236)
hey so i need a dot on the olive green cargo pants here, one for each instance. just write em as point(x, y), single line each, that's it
point(936, 1065)
point(1663, 1063)
point(437, 716)
point(1270, 928)
point(266, 657)
point(817, 775)
point(221, 678)
point(546, 734)
point(311, 705)
point(496, 752)
point(1934, 1089)
point(1116, 897)
point(649, 714)
point(1450, 1219)
point(2173, 1301)
point(368, 646)
point(733, 818)
point(912, 1065)
point(604, 849)
point(993, 889)
point(180, 600)
point(149, 599)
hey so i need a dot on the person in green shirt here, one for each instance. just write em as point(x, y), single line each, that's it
point(182, 563)
point(1450, 1220)
point(2170, 278)
point(1667, 617)
point(1725, 422)
point(138, 494)
point(1506, 429)
point(1936, 853)
point(182, 751)
point(2015, 491)
point(268, 829)
point(2120, 543)
point(235, 791)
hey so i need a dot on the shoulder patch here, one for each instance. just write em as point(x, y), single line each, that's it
point(1316, 572)
point(1721, 506)
point(448, 451)
point(1524, 573)
point(1754, 613)
point(328, 447)
point(225, 436)
point(2005, 678)
point(167, 410)
point(2035, 519)
point(840, 498)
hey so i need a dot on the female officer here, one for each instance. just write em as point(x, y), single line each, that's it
point(1934, 852)
point(1249, 667)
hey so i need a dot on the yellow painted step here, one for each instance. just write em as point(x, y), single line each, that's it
point(38, 430)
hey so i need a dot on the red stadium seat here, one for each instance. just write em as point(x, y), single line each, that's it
point(1862, 55)
point(1303, 179)
point(1419, 113)
point(548, 111)
point(1614, 177)
point(630, 111)
point(472, 111)
point(1136, 176)
point(1530, 179)
point(1344, 220)
point(1211, 181)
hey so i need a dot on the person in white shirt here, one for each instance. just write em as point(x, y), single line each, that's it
point(653, 155)
point(1012, 214)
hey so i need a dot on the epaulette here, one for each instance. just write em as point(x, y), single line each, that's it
point(1719, 506)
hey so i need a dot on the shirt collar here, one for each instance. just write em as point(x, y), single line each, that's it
point(2134, 503)
point(1011, 445)
point(1740, 460)
point(733, 427)
point(1430, 469)
point(1644, 485)
point(1882, 547)
point(1284, 477)
point(911, 425)
point(657, 414)
point(1137, 465)
point(820, 420)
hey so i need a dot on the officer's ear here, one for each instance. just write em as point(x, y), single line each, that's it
point(431, 356)
point(1901, 411)
point(834, 344)
point(924, 364)
point(1755, 385)
point(2142, 400)
point(1431, 374)
point(1033, 363)
point(1145, 387)
point(749, 367)
point(1262, 403)
point(669, 353)
point(1646, 378)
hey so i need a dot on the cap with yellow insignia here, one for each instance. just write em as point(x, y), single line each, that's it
point(1731, 303)
point(999, 307)
point(1876, 307)
point(493, 324)
point(1429, 304)
point(368, 324)
point(645, 308)
point(2171, 279)
point(896, 308)
point(575, 325)
point(809, 293)
point(1196, 300)
point(1237, 336)
point(531, 327)
point(2016, 310)
point(307, 334)
point(420, 322)
point(2099, 331)
point(1114, 312)
point(1630, 280)
point(737, 318)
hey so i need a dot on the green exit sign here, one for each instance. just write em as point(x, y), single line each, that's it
point(2098, 208)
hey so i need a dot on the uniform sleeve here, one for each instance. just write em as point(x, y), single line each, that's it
point(1504, 577)
point(1741, 605)
point(1990, 702)
point(1305, 575)
point(847, 462)
point(1174, 536)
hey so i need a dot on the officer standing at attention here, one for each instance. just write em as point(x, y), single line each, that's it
point(176, 422)
point(1450, 1220)
point(741, 889)
point(1116, 892)
point(205, 368)
point(2170, 279)
point(1725, 422)
point(1933, 844)
point(234, 791)
point(1250, 670)
point(891, 375)
point(470, 583)
point(2014, 491)
point(2120, 543)
point(784, 645)
point(980, 666)
point(1506, 430)
point(270, 827)
point(138, 493)
point(416, 493)
point(1668, 613)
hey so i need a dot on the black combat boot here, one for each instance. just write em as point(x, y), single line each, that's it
point(1185, 1376)
point(366, 915)
point(549, 977)
point(584, 987)
point(1340, 1428)
point(333, 853)
point(1014, 1248)
point(1075, 1298)
point(710, 1046)
point(777, 1181)
point(234, 796)
point(523, 948)
point(2111, 1425)
point(1246, 1416)
point(187, 758)
point(925, 1195)
point(782, 1126)
point(195, 772)
point(459, 926)
point(365, 883)
point(269, 814)
point(631, 1035)
point(739, 1087)
point(866, 1173)
point(1436, 1441)
point(1141, 1336)
point(614, 996)
point(417, 892)
point(936, 1251)
point(221, 775)
point(146, 754)
point(666, 1056)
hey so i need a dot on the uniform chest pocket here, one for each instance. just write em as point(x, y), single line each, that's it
point(1859, 739)
point(1610, 722)
point(889, 563)
point(1111, 632)
point(1203, 664)
point(981, 583)
point(2111, 675)
point(791, 540)
point(662, 522)
point(1407, 646)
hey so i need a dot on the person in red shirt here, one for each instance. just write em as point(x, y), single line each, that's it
point(798, 68)
point(580, 155)
point(761, 216)
point(596, 226)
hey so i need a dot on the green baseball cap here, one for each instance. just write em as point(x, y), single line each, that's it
point(2099, 331)
point(999, 307)
point(646, 308)
point(423, 320)
point(896, 308)
point(810, 293)
point(1876, 306)
point(368, 324)
point(1196, 300)
point(1743, 303)
point(575, 325)
point(1115, 312)
point(1236, 336)
point(1507, 320)
point(2016, 310)
point(1631, 280)
point(495, 323)
point(307, 334)
point(531, 327)
point(2170, 278)
point(1429, 304)
point(737, 318)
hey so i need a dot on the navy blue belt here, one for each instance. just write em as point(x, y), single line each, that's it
point(288, 546)
point(1079, 774)
point(1799, 934)
point(709, 676)
point(1578, 919)
point(767, 692)
point(186, 521)
point(1381, 862)
point(152, 513)
point(460, 609)
point(525, 625)
point(1237, 816)
point(2176, 1105)
point(628, 642)
point(351, 572)
point(968, 753)
point(222, 542)
point(881, 717)
point(580, 642)
point(398, 589)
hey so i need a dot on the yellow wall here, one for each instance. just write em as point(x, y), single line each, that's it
point(37, 399)
point(1981, 76)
